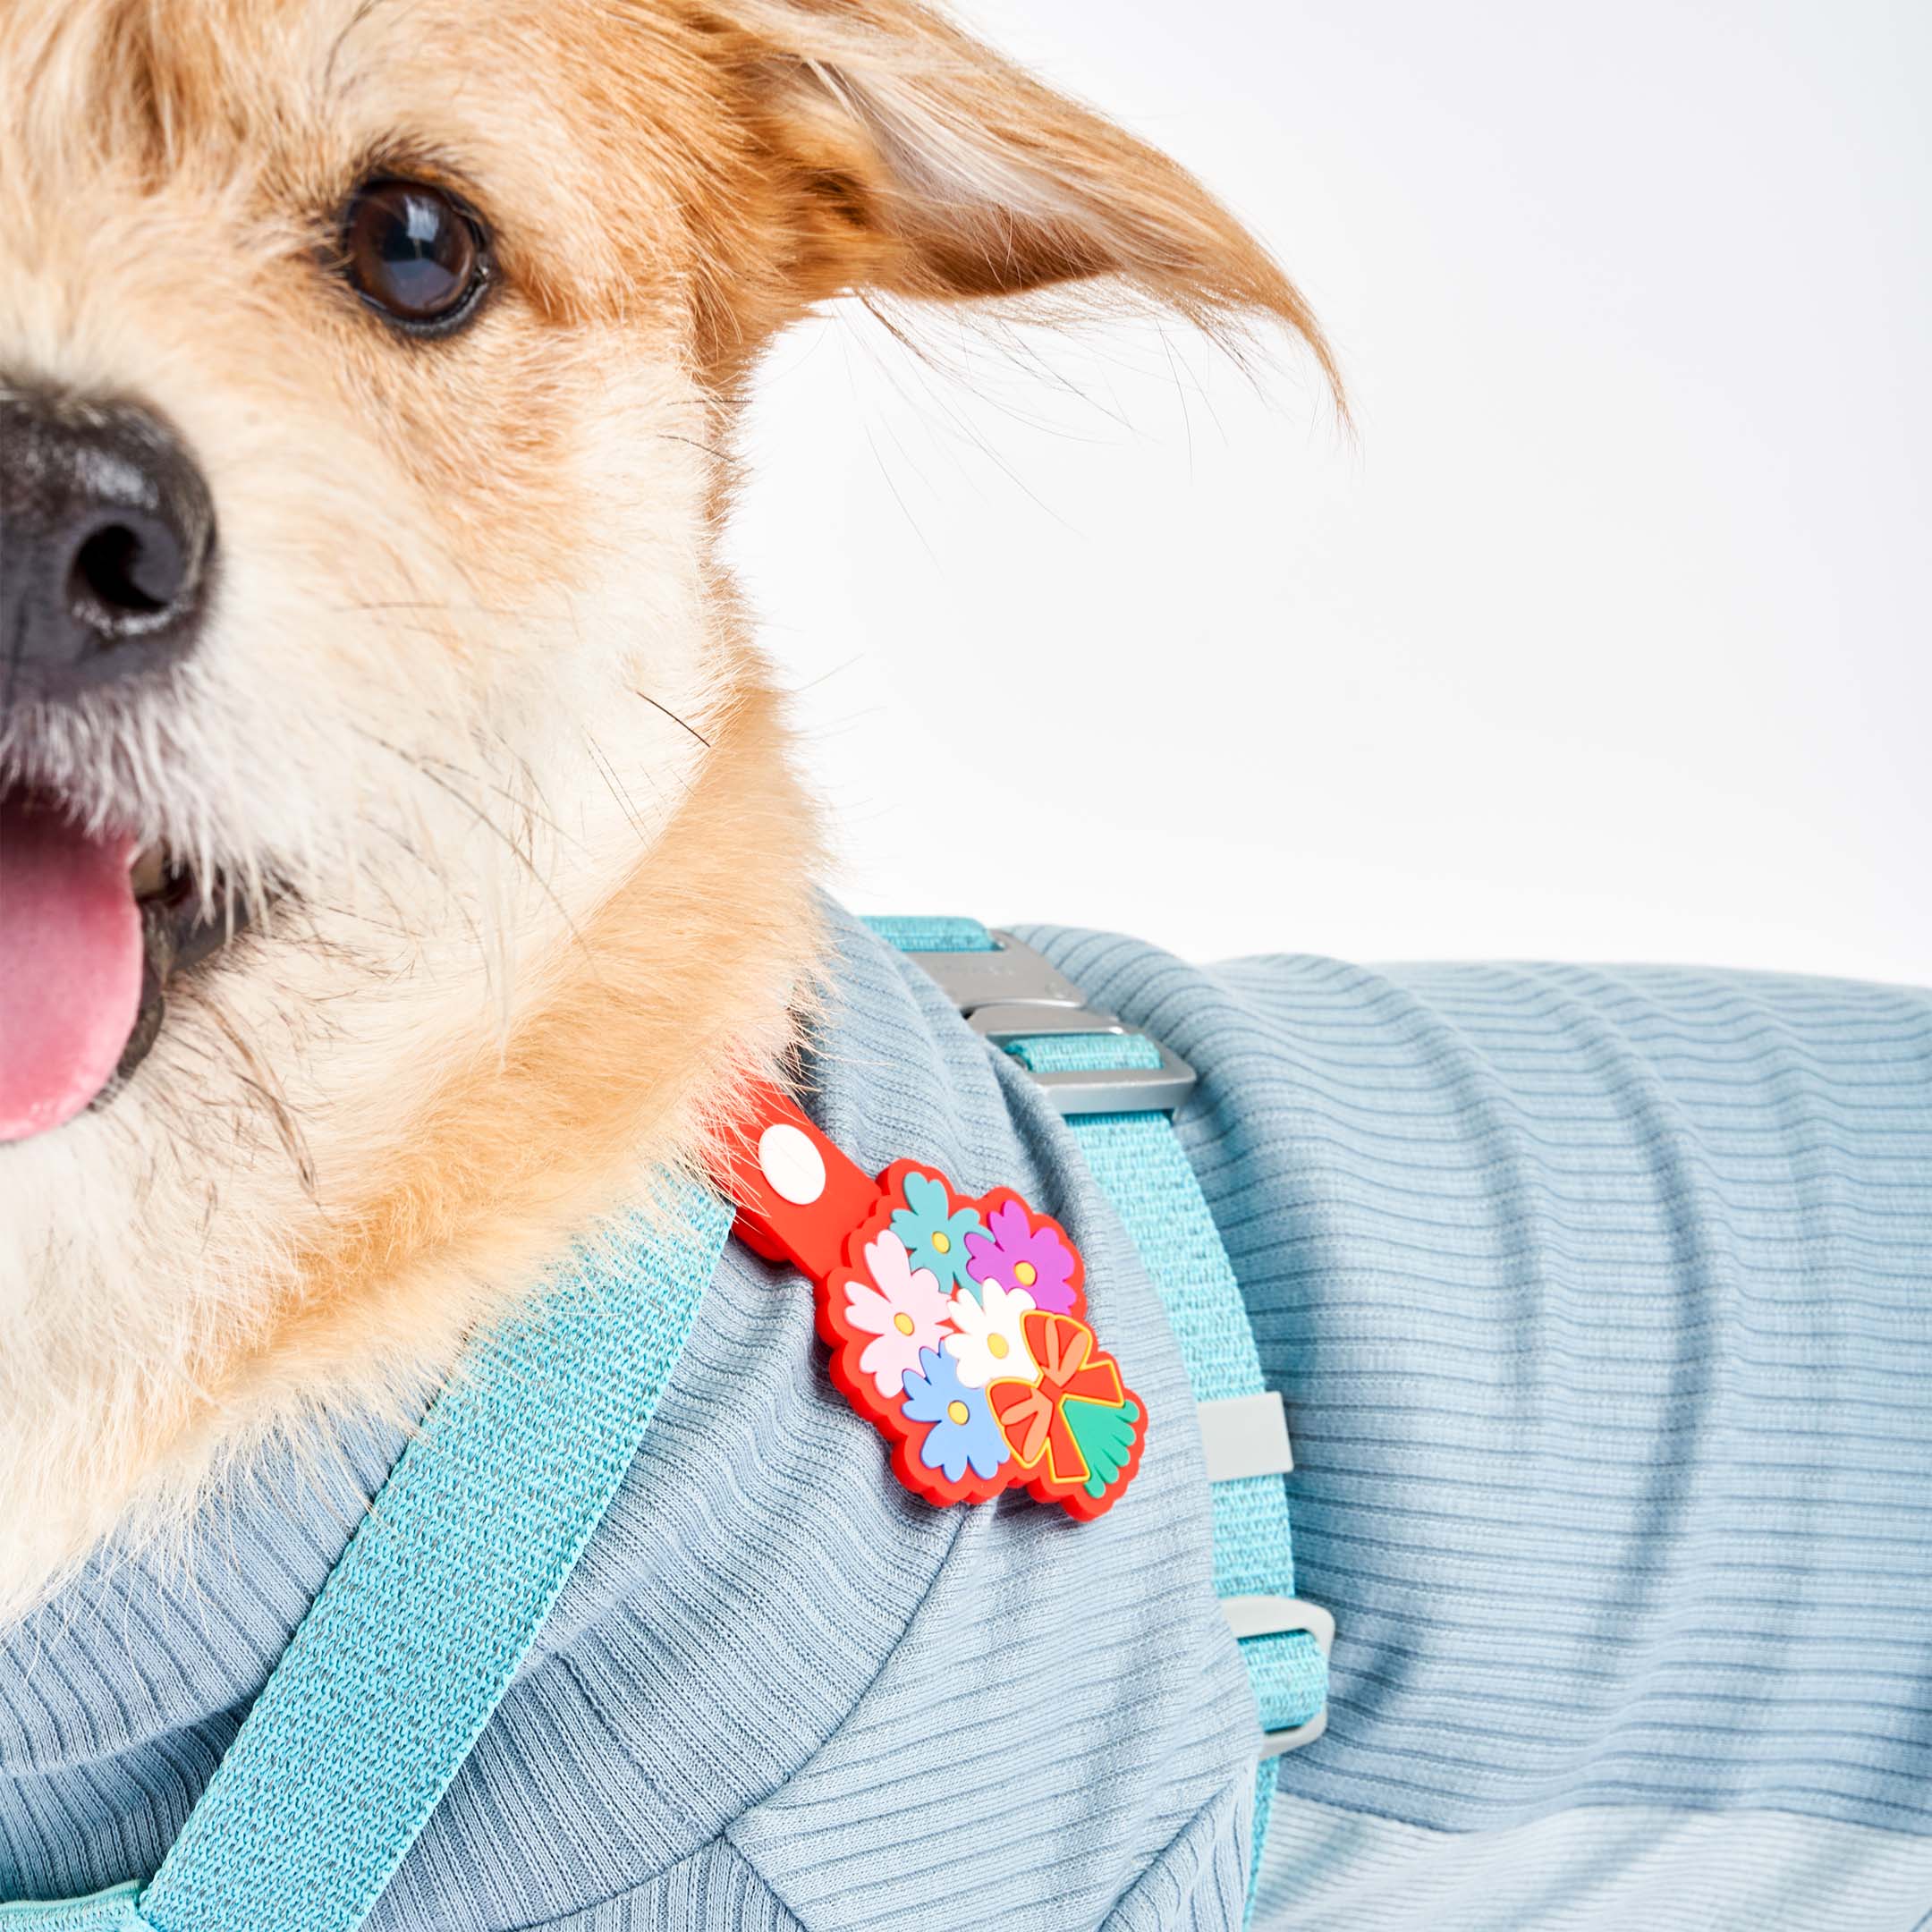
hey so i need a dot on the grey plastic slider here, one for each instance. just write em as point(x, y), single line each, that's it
point(1279, 1616)
point(1246, 1435)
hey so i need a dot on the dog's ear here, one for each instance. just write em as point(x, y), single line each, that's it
point(918, 163)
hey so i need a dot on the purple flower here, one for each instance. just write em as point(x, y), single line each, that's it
point(1018, 1255)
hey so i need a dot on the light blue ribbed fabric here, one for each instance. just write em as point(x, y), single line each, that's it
point(714, 1887)
point(1604, 1300)
point(1594, 1869)
point(1608, 1296)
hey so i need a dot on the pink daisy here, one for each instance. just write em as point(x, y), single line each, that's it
point(902, 1310)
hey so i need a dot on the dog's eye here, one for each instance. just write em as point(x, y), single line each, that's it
point(416, 254)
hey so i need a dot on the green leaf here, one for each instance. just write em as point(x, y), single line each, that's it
point(1105, 1432)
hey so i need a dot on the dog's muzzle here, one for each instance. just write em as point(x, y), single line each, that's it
point(107, 553)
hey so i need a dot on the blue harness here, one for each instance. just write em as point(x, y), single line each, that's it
point(425, 1620)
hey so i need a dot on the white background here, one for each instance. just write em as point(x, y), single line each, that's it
point(1608, 636)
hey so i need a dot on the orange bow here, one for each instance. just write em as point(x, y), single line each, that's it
point(1031, 1415)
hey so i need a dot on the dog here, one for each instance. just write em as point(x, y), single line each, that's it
point(401, 857)
point(450, 751)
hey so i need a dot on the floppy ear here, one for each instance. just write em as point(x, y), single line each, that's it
point(920, 164)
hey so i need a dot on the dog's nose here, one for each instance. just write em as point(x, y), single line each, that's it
point(107, 538)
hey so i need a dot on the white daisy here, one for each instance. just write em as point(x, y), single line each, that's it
point(990, 1345)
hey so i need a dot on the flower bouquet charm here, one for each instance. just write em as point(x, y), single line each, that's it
point(957, 1324)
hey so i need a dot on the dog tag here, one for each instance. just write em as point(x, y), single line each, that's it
point(957, 1322)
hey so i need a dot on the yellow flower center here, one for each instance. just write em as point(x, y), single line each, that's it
point(1026, 1274)
point(942, 1242)
point(904, 1324)
point(998, 1347)
point(957, 1412)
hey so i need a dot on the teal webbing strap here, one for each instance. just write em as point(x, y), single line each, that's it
point(422, 1625)
point(436, 1601)
point(115, 1909)
point(934, 935)
point(1140, 1166)
point(1138, 1161)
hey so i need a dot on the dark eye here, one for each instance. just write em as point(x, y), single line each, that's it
point(416, 254)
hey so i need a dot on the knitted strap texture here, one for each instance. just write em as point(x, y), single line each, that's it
point(423, 1623)
point(1140, 1166)
point(1138, 1163)
point(934, 935)
point(114, 1911)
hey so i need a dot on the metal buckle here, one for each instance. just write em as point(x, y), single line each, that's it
point(1013, 993)
point(1277, 1616)
point(1011, 974)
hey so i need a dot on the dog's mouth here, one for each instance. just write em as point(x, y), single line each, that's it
point(92, 929)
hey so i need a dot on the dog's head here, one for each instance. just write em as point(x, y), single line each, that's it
point(396, 846)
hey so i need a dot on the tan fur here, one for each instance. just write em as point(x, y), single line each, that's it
point(477, 703)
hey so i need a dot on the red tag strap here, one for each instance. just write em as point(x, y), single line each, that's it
point(957, 1324)
point(798, 1196)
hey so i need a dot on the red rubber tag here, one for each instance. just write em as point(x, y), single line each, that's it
point(957, 1324)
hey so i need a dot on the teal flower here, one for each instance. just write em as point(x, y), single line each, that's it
point(936, 1238)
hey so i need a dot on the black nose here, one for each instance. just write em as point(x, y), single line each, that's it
point(107, 537)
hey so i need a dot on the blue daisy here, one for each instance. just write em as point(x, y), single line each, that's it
point(933, 1235)
point(964, 1431)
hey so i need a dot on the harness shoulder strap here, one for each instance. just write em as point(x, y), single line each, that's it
point(434, 1606)
point(1118, 1089)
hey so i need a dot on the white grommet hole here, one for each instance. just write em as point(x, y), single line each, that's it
point(792, 1163)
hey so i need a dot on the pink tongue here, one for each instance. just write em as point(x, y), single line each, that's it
point(70, 964)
